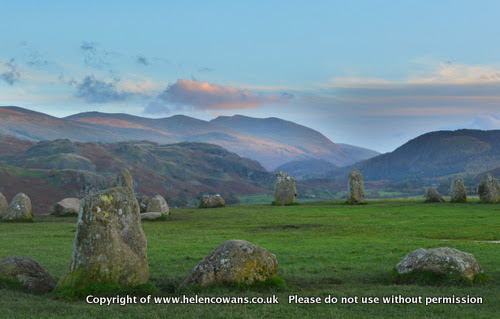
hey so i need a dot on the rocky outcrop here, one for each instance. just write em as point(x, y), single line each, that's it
point(67, 206)
point(433, 196)
point(28, 272)
point(488, 189)
point(443, 260)
point(4, 205)
point(19, 208)
point(355, 188)
point(110, 245)
point(233, 261)
point(212, 201)
point(284, 189)
point(158, 204)
point(458, 192)
point(86, 182)
point(124, 179)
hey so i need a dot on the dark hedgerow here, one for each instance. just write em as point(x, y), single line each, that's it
point(19, 220)
point(67, 214)
point(290, 204)
point(347, 202)
point(159, 219)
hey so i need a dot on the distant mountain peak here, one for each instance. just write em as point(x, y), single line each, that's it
point(433, 155)
point(271, 141)
point(26, 111)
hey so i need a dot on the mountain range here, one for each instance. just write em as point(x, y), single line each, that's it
point(433, 155)
point(270, 141)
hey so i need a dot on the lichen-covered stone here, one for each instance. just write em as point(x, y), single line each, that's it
point(28, 272)
point(110, 245)
point(67, 206)
point(124, 179)
point(489, 190)
point(158, 204)
point(356, 188)
point(143, 203)
point(284, 189)
point(233, 261)
point(443, 260)
point(458, 192)
point(151, 215)
point(4, 205)
point(433, 196)
point(212, 201)
point(19, 208)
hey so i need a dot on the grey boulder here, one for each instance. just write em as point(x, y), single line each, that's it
point(233, 261)
point(443, 260)
point(28, 272)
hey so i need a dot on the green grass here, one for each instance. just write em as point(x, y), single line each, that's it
point(323, 249)
point(256, 199)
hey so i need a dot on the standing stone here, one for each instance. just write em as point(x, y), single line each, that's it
point(489, 190)
point(212, 201)
point(20, 208)
point(158, 204)
point(28, 272)
point(110, 245)
point(143, 203)
point(4, 205)
point(67, 206)
point(284, 189)
point(433, 196)
point(442, 260)
point(356, 188)
point(124, 179)
point(458, 192)
point(233, 261)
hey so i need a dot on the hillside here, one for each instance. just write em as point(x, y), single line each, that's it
point(50, 170)
point(272, 141)
point(34, 126)
point(304, 168)
point(433, 155)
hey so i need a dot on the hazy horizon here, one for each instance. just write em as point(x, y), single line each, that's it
point(370, 74)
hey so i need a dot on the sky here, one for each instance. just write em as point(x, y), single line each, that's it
point(373, 74)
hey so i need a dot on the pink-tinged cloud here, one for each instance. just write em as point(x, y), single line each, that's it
point(209, 96)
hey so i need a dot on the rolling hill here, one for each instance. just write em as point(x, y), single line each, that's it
point(271, 141)
point(303, 169)
point(49, 171)
point(433, 155)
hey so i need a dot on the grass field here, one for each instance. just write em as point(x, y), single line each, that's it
point(323, 248)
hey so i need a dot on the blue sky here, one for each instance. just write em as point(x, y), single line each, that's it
point(369, 73)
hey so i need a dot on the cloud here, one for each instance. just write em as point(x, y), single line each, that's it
point(453, 73)
point(208, 96)
point(11, 74)
point(205, 69)
point(437, 89)
point(95, 91)
point(142, 60)
point(35, 58)
point(486, 122)
point(347, 82)
point(93, 56)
